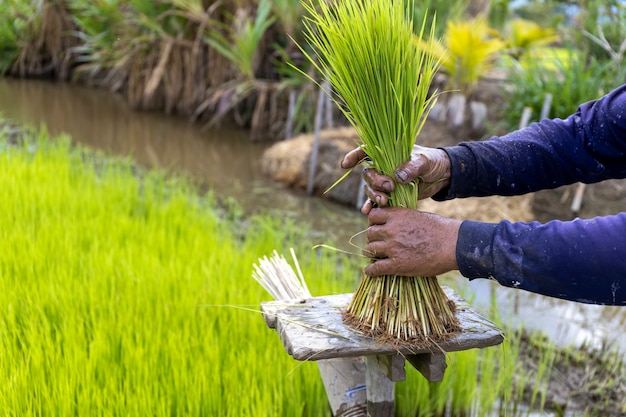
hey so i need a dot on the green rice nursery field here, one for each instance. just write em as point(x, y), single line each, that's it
point(115, 292)
point(125, 292)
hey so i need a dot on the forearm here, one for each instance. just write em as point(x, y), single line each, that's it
point(579, 260)
point(589, 146)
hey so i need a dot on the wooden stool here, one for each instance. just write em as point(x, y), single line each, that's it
point(313, 330)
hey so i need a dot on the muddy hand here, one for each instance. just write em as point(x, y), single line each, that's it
point(410, 243)
point(431, 165)
point(373, 181)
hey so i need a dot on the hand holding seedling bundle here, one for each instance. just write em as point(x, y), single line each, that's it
point(404, 241)
point(410, 242)
point(429, 166)
point(382, 76)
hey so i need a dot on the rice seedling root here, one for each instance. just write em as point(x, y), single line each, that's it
point(386, 316)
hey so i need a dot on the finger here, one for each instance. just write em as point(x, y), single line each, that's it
point(379, 267)
point(409, 170)
point(367, 207)
point(378, 181)
point(375, 250)
point(377, 216)
point(367, 251)
point(352, 158)
point(379, 198)
point(374, 233)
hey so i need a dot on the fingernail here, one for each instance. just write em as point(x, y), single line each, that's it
point(386, 187)
point(378, 199)
point(402, 175)
point(342, 161)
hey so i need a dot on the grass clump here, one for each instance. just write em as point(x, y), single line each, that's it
point(570, 78)
point(367, 50)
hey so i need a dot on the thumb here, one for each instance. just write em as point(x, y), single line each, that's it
point(409, 170)
point(352, 158)
point(378, 268)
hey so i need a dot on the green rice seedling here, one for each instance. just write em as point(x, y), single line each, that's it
point(115, 291)
point(544, 363)
point(115, 287)
point(479, 383)
point(367, 50)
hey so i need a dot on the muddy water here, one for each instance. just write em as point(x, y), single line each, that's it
point(226, 161)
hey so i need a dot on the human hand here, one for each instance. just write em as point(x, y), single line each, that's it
point(431, 165)
point(410, 243)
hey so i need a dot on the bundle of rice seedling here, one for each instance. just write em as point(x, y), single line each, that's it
point(279, 278)
point(381, 77)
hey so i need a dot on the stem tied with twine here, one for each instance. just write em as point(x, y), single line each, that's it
point(381, 75)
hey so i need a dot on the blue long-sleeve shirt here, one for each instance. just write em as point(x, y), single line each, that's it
point(580, 260)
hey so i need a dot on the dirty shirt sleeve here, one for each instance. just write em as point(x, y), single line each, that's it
point(578, 260)
point(589, 146)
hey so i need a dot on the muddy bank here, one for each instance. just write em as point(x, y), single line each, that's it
point(582, 381)
point(289, 162)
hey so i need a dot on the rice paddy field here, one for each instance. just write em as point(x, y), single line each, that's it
point(125, 292)
point(116, 294)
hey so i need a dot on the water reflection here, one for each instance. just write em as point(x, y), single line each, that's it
point(228, 162)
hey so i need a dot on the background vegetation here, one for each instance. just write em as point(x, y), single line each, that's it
point(215, 61)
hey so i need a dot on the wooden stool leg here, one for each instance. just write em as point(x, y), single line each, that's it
point(381, 373)
point(344, 380)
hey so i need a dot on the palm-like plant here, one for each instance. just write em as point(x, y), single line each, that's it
point(243, 35)
point(467, 52)
point(523, 35)
point(238, 40)
point(13, 27)
point(34, 38)
point(98, 25)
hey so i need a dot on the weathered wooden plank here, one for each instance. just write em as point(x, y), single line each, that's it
point(313, 329)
